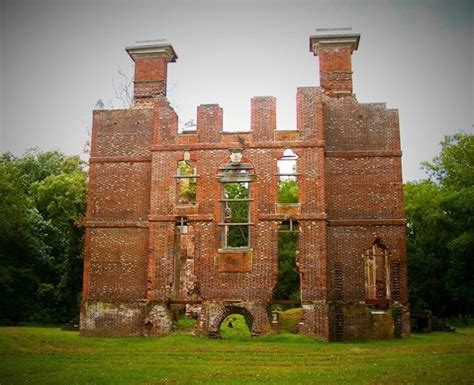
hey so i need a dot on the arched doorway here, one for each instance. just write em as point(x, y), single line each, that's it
point(214, 330)
point(234, 326)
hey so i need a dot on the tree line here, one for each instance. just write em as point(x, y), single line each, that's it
point(43, 202)
point(440, 230)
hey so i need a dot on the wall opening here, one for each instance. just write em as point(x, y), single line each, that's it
point(377, 275)
point(236, 214)
point(235, 326)
point(287, 178)
point(186, 183)
point(288, 281)
point(184, 280)
point(221, 320)
point(235, 178)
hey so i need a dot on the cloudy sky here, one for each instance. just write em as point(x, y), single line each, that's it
point(57, 58)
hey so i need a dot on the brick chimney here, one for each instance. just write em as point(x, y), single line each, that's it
point(151, 67)
point(335, 65)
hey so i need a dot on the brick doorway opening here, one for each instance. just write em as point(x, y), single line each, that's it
point(215, 327)
point(235, 326)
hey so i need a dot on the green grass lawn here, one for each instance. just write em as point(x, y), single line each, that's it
point(51, 356)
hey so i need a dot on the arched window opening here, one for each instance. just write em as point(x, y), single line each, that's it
point(287, 178)
point(377, 275)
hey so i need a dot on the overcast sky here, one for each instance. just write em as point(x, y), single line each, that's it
point(57, 58)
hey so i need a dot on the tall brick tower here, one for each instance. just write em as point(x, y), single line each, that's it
point(365, 240)
point(194, 217)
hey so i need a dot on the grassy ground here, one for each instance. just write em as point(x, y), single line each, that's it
point(52, 356)
point(289, 320)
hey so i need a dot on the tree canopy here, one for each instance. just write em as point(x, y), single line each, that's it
point(42, 201)
point(440, 230)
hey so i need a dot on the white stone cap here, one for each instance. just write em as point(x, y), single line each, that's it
point(150, 50)
point(332, 40)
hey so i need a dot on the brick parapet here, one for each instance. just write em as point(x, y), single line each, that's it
point(263, 117)
point(210, 121)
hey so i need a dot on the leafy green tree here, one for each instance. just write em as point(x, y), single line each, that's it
point(288, 280)
point(440, 224)
point(454, 166)
point(237, 212)
point(186, 186)
point(288, 191)
point(42, 200)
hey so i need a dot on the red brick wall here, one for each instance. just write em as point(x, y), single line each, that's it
point(150, 68)
point(150, 77)
point(347, 245)
point(364, 198)
point(309, 113)
point(351, 126)
point(350, 196)
point(263, 116)
point(335, 59)
point(121, 133)
point(209, 123)
point(335, 69)
point(364, 188)
point(119, 262)
point(121, 191)
point(116, 250)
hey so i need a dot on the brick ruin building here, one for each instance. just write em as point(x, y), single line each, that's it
point(161, 222)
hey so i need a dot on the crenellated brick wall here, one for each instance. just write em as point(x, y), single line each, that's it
point(146, 249)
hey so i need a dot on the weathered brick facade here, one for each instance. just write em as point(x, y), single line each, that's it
point(147, 247)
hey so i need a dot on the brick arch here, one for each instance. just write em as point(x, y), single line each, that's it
point(378, 240)
point(296, 151)
point(224, 312)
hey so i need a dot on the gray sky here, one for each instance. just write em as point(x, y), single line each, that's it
point(57, 58)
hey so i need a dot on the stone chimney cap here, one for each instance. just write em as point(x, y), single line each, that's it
point(150, 50)
point(331, 40)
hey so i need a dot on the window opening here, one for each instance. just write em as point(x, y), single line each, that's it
point(288, 280)
point(186, 183)
point(287, 177)
point(182, 225)
point(236, 204)
point(377, 278)
point(235, 178)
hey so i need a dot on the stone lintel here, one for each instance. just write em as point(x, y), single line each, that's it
point(333, 40)
point(152, 50)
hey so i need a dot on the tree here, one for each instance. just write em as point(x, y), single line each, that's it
point(186, 186)
point(454, 166)
point(288, 280)
point(237, 211)
point(440, 230)
point(288, 191)
point(42, 200)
